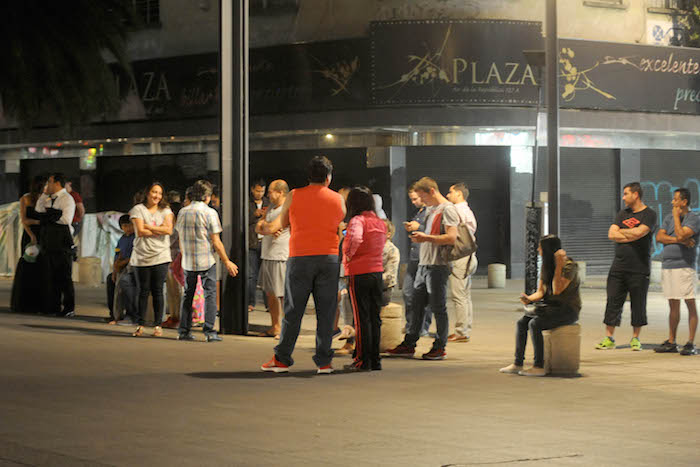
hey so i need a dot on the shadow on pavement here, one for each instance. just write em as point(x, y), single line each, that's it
point(94, 332)
point(258, 374)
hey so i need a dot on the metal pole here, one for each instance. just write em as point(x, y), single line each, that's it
point(234, 159)
point(533, 211)
point(552, 68)
point(536, 149)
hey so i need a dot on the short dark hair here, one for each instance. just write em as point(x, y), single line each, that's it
point(215, 190)
point(200, 190)
point(59, 177)
point(320, 167)
point(174, 196)
point(138, 197)
point(684, 193)
point(258, 182)
point(461, 186)
point(124, 219)
point(188, 193)
point(360, 199)
point(635, 187)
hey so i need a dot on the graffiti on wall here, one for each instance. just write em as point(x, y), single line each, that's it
point(658, 196)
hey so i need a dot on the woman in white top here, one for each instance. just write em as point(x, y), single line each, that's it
point(153, 224)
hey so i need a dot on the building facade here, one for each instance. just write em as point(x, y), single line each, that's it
point(394, 90)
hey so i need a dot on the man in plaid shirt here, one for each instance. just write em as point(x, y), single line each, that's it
point(198, 227)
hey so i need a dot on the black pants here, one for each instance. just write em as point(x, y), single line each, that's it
point(619, 284)
point(151, 280)
point(365, 292)
point(552, 317)
point(109, 282)
point(59, 271)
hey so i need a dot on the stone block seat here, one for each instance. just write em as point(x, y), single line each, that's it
point(562, 350)
point(392, 322)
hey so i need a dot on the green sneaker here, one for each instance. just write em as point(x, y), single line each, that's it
point(606, 344)
point(635, 344)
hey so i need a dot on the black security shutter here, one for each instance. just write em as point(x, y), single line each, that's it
point(589, 199)
point(662, 172)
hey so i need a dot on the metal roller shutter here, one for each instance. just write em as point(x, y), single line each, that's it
point(589, 199)
point(661, 173)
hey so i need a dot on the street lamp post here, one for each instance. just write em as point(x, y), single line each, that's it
point(533, 210)
point(234, 159)
point(552, 68)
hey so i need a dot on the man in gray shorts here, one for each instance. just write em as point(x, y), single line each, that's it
point(274, 254)
point(679, 233)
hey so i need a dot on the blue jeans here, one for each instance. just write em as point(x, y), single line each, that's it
point(209, 286)
point(307, 275)
point(409, 279)
point(430, 288)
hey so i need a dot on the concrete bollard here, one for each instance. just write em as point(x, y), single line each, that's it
point(392, 321)
point(562, 350)
point(497, 276)
point(581, 271)
point(90, 271)
point(655, 276)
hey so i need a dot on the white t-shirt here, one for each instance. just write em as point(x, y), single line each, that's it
point(275, 248)
point(150, 251)
point(430, 252)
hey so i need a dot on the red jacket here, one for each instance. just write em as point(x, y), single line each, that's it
point(364, 244)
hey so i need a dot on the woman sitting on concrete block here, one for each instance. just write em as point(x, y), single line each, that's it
point(557, 302)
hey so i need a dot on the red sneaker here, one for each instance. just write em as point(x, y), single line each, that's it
point(402, 350)
point(435, 354)
point(275, 365)
point(325, 370)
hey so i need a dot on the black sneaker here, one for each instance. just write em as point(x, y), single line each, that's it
point(357, 366)
point(376, 366)
point(689, 349)
point(213, 337)
point(185, 337)
point(667, 347)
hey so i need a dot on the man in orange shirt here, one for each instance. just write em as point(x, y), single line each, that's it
point(313, 214)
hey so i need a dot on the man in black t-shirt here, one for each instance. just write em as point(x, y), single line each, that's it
point(632, 233)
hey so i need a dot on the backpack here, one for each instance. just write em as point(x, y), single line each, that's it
point(464, 245)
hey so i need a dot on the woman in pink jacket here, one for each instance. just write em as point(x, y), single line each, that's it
point(362, 258)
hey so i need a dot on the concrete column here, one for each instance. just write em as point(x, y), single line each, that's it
point(399, 197)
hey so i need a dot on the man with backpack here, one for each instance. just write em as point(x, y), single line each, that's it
point(430, 286)
point(460, 281)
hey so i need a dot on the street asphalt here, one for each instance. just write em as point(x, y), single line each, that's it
point(78, 392)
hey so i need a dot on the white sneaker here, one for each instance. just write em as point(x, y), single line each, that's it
point(511, 369)
point(533, 371)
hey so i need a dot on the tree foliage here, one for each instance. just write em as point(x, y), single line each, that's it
point(55, 57)
point(688, 24)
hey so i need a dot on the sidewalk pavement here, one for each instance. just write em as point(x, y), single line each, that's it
point(80, 392)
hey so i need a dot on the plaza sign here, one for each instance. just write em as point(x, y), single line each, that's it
point(453, 62)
